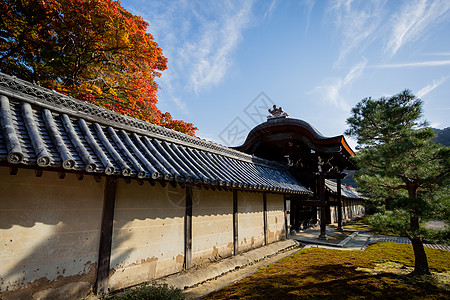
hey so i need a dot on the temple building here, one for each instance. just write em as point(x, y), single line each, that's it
point(311, 158)
point(92, 200)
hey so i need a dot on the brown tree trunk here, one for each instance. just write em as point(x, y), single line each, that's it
point(387, 203)
point(420, 257)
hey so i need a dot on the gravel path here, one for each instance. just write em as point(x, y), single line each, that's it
point(403, 240)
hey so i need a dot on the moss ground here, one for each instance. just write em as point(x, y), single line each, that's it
point(360, 224)
point(381, 271)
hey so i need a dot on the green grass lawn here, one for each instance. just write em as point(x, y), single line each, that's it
point(381, 271)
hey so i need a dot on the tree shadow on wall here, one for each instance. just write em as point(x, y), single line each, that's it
point(49, 235)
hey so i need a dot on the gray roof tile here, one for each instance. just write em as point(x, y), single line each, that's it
point(44, 129)
point(346, 191)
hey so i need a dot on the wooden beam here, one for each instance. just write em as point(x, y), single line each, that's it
point(188, 229)
point(235, 223)
point(38, 172)
point(104, 255)
point(314, 203)
point(266, 232)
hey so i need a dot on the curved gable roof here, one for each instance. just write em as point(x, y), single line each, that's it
point(281, 137)
point(295, 128)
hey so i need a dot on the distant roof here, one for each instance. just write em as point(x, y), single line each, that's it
point(44, 129)
point(346, 191)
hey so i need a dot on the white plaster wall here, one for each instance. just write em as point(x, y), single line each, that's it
point(346, 209)
point(360, 208)
point(275, 218)
point(352, 208)
point(212, 225)
point(49, 232)
point(333, 214)
point(250, 220)
point(148, 236)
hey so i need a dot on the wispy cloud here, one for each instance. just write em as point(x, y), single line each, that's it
point(356, 23)
point(439, 54)
point(413, 20)
point(425, 90)
point(331, 92)
point(198, 39)
point(433, 63)
point(435, 125)
point(271, 9)
point(385, 26)
point(309, 4)
point(211, 54)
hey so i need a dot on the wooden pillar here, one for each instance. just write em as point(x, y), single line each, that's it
point(323, 214)
point(339, 202)
point(104, 255)
point(188, 229)
point(266, 232)
point(235, 223)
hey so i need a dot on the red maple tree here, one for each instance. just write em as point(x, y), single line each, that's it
point(94, 50)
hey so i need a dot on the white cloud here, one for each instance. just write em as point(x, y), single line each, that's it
point(354, 73)
point(384, 26)
point(356, 23)
point(309, 4)
point(332, 91)
point(198, 38)
point(440, 54)
point(434, 63)
point(412, 22)
point(211, 54)
point(425, 90)
point(271, 9)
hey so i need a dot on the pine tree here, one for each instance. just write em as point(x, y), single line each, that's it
point(399, 161)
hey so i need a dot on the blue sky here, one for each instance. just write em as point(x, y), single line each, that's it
point(229, 60)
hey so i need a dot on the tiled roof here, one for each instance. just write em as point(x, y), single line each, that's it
point(41, 128)
point(346, 191)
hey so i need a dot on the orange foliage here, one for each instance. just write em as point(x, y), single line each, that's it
point(93, 50)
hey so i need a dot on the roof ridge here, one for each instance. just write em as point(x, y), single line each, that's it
point(54, 100)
